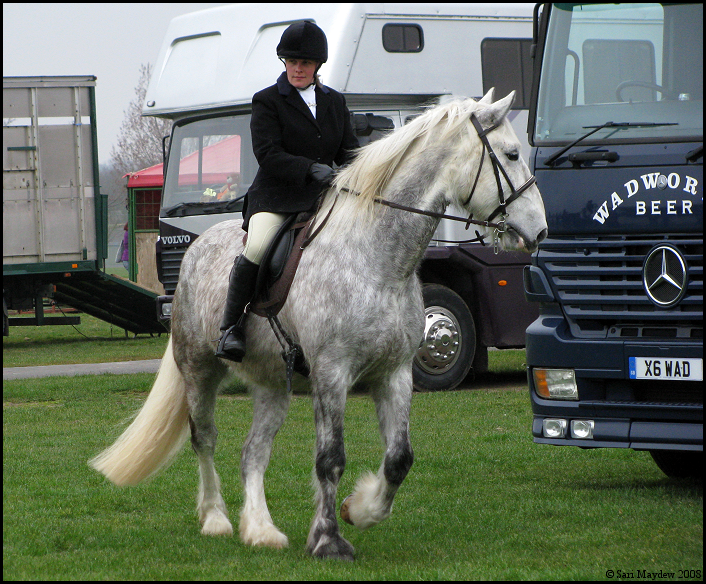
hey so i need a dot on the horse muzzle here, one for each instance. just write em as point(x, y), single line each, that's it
point(514, 239)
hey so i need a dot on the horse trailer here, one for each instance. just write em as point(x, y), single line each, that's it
point(390, 61)
point(55, 220)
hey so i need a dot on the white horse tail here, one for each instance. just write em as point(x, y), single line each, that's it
point(157, 433)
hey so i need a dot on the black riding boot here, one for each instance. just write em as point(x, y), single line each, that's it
point(241, 287)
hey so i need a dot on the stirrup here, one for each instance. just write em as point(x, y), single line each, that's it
point(233, 354)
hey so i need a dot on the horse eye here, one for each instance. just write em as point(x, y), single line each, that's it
point(514, 156)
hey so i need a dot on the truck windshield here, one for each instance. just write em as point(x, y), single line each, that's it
point(640, 65)
point(210, 163)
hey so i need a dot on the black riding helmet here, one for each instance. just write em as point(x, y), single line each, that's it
point(303, 40)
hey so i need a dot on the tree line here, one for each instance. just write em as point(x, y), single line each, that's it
point(139, 145)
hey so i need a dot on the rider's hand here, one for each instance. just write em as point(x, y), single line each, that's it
point(321, 173)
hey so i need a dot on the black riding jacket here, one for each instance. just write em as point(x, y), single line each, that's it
point(287, 140)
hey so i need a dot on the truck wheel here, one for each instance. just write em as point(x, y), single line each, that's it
point(680, 464)
point(446, 352)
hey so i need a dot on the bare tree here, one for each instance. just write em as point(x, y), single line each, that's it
point(140, 138)
point(139, 146)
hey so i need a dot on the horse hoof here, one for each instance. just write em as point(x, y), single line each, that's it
point(217, 524)
point(336, 548)
point(263, 536)
point(345, 512)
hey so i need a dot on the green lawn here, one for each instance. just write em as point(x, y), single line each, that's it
point(481, 501)
point(92, 341)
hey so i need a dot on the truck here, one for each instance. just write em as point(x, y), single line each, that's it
point(389, 61)
point(55, 220)
point(615, 357)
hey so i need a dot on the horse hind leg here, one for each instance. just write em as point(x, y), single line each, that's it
point(256, 525)
point(210, 506)
point(372, 498)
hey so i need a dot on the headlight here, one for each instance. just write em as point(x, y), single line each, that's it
point(553, 428)
point(582, 429)
point(556, 383)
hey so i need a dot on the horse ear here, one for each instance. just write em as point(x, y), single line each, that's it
point(495, 112)
point(488, 97)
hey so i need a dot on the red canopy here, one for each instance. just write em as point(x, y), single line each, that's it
point(148, 177)
point(220, 160)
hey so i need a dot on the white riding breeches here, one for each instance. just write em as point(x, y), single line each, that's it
point(262, 229)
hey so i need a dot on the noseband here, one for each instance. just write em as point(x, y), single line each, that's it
point(499, 227)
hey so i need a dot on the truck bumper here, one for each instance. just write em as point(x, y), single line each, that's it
point(621, 412)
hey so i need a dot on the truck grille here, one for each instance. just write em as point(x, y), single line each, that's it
point(598, 282)
point(171, 257)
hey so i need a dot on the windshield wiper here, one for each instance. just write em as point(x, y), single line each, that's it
point(180, 207)
point(553, 158)
point(206, 206)
point(234, 202)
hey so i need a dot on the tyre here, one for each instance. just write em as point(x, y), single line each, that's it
point(680, 464)
point(446, 352)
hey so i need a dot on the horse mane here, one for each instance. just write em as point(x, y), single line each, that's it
point(368, 175)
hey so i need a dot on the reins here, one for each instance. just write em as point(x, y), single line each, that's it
point(498, 228)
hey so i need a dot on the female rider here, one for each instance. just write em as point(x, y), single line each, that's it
point(299, 129)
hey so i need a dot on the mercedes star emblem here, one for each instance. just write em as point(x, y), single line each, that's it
point(664, 275)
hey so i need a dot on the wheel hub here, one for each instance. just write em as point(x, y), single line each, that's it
point(439, 349)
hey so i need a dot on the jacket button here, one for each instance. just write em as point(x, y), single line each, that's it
point(318, 135)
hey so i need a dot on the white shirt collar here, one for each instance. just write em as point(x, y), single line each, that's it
point(309, 97)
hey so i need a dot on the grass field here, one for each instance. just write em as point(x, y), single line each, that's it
point(481, 502)
point(93, 341)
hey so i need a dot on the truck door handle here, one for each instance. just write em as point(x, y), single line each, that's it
point(587, 156)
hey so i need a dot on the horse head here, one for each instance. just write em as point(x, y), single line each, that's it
point(502, 188)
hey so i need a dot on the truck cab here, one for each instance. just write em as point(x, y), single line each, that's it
point(615, 358)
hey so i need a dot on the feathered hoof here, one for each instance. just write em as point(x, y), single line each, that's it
point(216, 523)
point(335, 547)
point(264, 536)
point(345, 511)
point(363, 508)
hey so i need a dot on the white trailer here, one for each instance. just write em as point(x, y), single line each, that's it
point(389, 60)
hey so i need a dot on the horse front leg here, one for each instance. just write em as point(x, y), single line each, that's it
point(372, 498)
point(325, 540)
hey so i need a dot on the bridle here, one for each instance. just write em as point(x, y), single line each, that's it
point(497, 169)
point(499, 227)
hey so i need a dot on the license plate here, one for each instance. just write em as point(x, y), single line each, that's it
point(671, 369)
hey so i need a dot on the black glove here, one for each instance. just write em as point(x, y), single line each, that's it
point(322, 173)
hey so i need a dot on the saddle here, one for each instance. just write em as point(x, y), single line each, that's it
point(274, 279)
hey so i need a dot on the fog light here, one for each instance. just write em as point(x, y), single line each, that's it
point(582, 429)
point(167, 309)
point(553, 428)
point(555, 383)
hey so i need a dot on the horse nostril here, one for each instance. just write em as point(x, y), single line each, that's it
point(542, 235)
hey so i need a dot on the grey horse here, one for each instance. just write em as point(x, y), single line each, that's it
point(355, 308)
